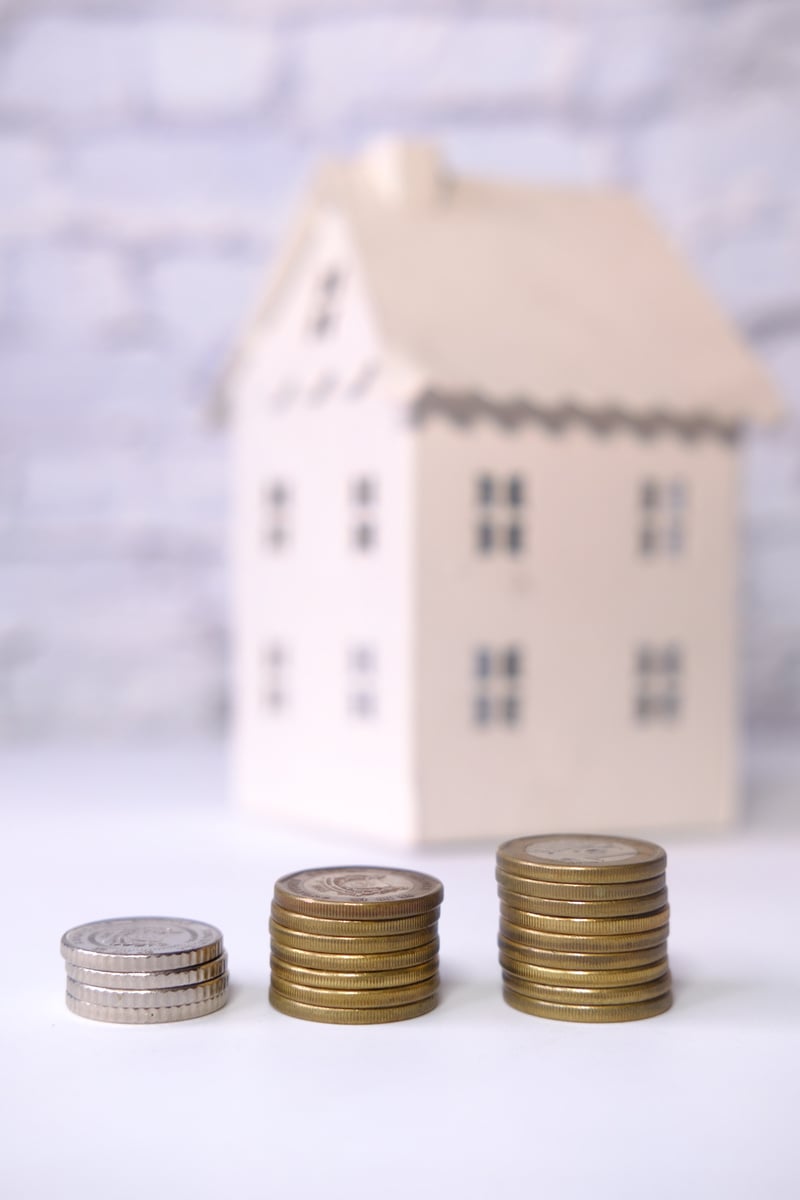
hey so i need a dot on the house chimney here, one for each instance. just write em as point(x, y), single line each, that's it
point(403, 173)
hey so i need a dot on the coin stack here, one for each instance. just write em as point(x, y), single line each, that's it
point(583, 927)
point(355, 945)
point(145, 970)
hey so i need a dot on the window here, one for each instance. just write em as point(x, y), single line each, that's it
point(362, 682)
point(662, 517)
point(274, 678)
point(496, 686)
point(363, 500)
point(326, 303)
point(276, 504)
point(500, 514)
point(658, 682)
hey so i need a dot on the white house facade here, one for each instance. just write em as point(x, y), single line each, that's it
point(485, 478)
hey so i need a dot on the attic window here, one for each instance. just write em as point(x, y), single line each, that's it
point(497, 685)
point(362, 682)
point(326, 303)
point(658, 682)
point(363, 513)
point(663, 508)
point(500, 504)
point(273, 678)
point(276, 506)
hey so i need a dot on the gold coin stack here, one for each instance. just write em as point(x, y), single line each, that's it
point(583, 927)
point(355, 945)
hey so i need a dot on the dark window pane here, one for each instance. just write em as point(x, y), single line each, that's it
point(482, 710)
point(648, 540)
point(363, 491)
point(677, 494)
point(482, 663)
point(644, 660)
point(278, 494)
point(516, 490)
point(643, 707)
point(513, 663)
point(649, 494)
point(675, 536)
point(485, 538)
point(515, 538)
point(365, 537)
point(510, 710)
point(671, 659)
point(485, 489)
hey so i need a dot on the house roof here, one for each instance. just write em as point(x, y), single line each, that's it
point(555, 296)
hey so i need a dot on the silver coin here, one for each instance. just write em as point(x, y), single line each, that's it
point(156, 998)
point(145, 1016)
point(150, 980)
point(141, 944)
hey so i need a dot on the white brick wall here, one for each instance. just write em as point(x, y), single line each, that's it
point(148, 155)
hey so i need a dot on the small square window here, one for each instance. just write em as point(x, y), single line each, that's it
point(362, 681)
point(276, 515)
point(658, 682)
point(500, 514)
point(363, 503)
point(663, 515)
point(274, 677)
point(497, 683)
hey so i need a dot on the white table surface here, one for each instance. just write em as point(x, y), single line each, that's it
point(474, 1100)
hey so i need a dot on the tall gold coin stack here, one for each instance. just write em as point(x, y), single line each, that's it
point(583, 927)
point(355, 945)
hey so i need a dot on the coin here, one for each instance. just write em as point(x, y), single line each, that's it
point(578, 960)
point(136, 980)
point(354, 981)
point(339, 998)
point(589, 909)
point(580, 978)
point(589, 995)
point(577, 944)
point(146, 1016)
point(351, 1016)
point(141, 944)
point(359, 892)
point(350, 927)
point(581, 858)
point(588, 1014)
point(154, 998)
point(352, 945)
point(587, 926)
point(549, 890)
point(356, 962)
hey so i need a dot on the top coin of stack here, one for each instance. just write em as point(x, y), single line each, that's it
point(355, 945)
point(583, 927)
point(145, 970)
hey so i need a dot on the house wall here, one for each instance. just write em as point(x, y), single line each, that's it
point(578, 602)
point(312, 757)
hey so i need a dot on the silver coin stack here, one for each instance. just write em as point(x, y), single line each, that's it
point(145, 970)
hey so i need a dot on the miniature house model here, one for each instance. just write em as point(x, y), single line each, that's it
point(486, 449)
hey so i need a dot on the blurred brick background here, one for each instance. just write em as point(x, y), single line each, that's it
point(148, 155)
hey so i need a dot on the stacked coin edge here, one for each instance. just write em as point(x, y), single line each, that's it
point(342, 960)
point(144, 970)
point(584, 921)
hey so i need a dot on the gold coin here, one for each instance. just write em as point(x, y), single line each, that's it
point(589, 995)
point(569, 961)
point(351, 1016)
point(578, 891)
point(556, 977)
point(337, 998)
point(349, 927)
point(589, 909)
point(360, 893)
point(581, 858)
point(588, 1013)
point(351, 945)
point(577, 944)
point(356, 962)
point(354, 981)
point(587, 926)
